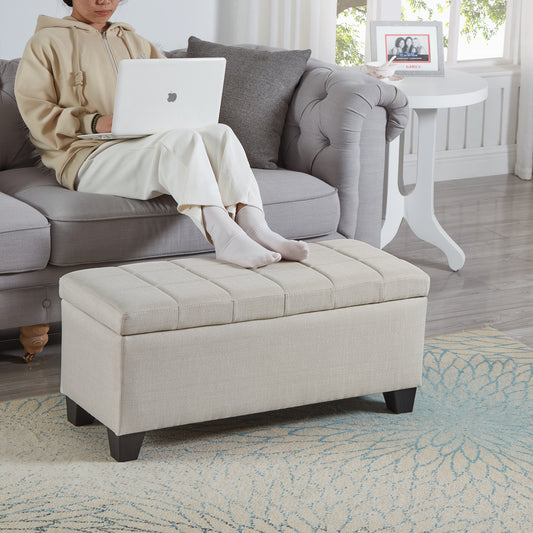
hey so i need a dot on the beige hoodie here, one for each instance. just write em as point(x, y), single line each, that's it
point(66, 76)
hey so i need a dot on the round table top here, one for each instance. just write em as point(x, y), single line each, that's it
point(455, 89)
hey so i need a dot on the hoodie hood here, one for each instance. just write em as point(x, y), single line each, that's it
point(70, 22)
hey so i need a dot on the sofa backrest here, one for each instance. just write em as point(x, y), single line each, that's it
point(16, 150)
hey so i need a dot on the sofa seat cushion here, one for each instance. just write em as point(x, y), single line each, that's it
point(195, 292)
point(24, 237)
point(91, 228)
point(297, 205)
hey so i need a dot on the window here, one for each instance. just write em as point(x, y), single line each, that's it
point(473, 29)
point(351, 30)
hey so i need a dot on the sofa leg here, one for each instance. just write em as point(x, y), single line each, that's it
point(34, 339)
point(76, 415)
point(125, 447)
point(400, 401)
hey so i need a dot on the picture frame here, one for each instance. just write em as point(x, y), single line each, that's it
point(422, 51)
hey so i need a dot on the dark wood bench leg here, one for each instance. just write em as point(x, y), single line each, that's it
point(400, 401)
point(76, 415)
point(125, 447)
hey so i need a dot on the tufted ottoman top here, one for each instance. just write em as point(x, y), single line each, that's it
point(193, 292)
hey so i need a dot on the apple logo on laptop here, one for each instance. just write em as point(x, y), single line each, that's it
point(172, 97)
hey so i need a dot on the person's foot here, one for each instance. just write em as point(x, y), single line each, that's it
point(245, 252)
point(252, 221)
point(232, 244)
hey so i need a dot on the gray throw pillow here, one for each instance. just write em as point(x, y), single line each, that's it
point(258, 88)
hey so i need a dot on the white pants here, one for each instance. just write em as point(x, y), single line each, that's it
point(207, 166)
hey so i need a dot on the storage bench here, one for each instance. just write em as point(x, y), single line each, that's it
point(161, 344)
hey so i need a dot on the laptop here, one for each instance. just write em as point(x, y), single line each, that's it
point(155, 95)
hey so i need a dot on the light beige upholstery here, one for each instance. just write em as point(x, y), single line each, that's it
point(162, 344)
point(186, 293)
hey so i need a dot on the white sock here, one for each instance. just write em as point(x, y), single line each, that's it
point(252, 220)
point(231, 242)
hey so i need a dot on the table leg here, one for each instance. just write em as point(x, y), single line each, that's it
point(419, 205)
point(395, 201)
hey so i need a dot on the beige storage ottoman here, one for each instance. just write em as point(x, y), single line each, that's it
point(161, 344)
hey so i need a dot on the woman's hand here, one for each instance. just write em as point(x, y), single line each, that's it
point(103, 124)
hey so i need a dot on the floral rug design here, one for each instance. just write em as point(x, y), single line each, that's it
point(462, 461)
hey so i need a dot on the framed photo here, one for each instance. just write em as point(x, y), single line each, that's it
point(418, 46)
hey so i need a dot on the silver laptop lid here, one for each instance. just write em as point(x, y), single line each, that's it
point(155, 95)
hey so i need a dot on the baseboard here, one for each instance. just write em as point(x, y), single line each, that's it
point(467, 163)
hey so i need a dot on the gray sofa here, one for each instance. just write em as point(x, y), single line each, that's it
point(329, 184)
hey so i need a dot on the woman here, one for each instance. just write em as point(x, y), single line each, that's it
point(397, 49)
point(418, 48)
point(408, 48)
point(65, 87)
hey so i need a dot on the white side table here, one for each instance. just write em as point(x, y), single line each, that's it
point(426, 95)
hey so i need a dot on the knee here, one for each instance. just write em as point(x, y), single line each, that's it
point(180, 137)
point(222, 130)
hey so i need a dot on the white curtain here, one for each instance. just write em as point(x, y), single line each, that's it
point(524, 148)
point(293, 24)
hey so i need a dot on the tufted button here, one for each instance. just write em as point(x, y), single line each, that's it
point(46, 303)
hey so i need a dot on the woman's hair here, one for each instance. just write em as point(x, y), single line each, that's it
point(398, 41)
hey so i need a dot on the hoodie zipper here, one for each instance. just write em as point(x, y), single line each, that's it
point(109, 53)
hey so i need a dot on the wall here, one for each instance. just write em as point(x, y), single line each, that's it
point(165, 22)
point(169, 23)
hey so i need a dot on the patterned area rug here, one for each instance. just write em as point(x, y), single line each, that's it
point(461, 462)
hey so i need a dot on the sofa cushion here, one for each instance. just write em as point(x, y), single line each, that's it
point(298, 205)
point(17, 150)
point(24, 237)
point(258, 88)
point(195, 292)
point(91, 228)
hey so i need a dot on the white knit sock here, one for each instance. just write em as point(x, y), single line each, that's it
point(252, 220)
point(231, 242)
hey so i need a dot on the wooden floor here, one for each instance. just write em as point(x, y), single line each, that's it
point(490, 218)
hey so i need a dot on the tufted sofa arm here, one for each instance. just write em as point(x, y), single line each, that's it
point(324, 125)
